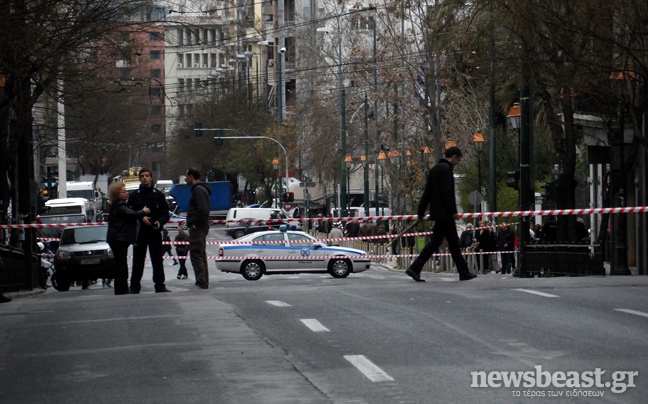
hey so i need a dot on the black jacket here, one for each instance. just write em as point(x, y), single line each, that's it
point(198, 209)
point(439, 195)
point(122, 223)
point(506, 237)
point(154, 200)
point(486, 240)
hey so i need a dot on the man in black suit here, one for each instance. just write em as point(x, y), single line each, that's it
point(439, 196)
point(149, 235)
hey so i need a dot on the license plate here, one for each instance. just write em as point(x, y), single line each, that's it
point(92, 261)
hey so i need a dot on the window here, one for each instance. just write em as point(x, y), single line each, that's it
point(155, 55)
point(180, 34)
point(125, 36)
point(212, 35)
point(298, 240)
point(188, 37)
point(197, 60)
point(181, 85)
point(270, 239)
point(189, 86)
point(188, 57)
point(205, 60)
point(197, 84)
point(156, 73)
point(154, 37)
point(155, 128)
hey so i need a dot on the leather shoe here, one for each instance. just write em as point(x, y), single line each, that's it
point(414, 275)
point(162, 290)
point(4, 299)
point(467, 277)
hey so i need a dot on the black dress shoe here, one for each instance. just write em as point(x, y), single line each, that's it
point(414, 275)
point(4, 299)
point(162, 290)
point(467, 277)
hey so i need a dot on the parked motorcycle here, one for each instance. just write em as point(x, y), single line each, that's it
point(47, 270)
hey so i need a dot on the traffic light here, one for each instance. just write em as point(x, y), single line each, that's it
point(287, 197)
point(513, 180)
point(549, 188)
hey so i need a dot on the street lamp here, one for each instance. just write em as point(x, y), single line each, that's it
point(515, 116)
point(275, 165)
point(620, 81)
point(381, 161)
point(479, 144)
point(347, 161)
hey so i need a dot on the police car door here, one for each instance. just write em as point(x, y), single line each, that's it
point(272, 248)
point(306, 256)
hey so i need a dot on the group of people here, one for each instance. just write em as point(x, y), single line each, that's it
point(487, 240)
point(139, 219)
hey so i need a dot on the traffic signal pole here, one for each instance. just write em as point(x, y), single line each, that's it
point(525, 177)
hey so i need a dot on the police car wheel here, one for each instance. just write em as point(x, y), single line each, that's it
point(252, 270)
point(339, 268)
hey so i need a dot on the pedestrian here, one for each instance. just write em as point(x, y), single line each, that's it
point(122, 232)
point(149, 235)
point(467, 236)
point(166, 246)
point(198, 223)
point(364, 231)
point(582, 234)
point(487, 243)
point(439, 198)
point(336, 234)
point(353, 228)
point(394, 231)
point(506, 247)
point(181, 250)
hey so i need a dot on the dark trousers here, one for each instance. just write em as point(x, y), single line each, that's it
point(183, 269)
point(508, 261)
point(442, 229)
point(151, 240)
point(197, 240)
point(120, 273)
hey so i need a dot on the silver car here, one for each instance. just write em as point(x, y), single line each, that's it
point(288, 252)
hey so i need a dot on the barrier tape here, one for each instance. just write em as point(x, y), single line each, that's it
point(553, 212)
point(292, 257)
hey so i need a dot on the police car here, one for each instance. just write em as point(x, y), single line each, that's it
point(287, 252)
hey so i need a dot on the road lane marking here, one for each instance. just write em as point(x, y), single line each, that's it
point(637, 313)
point(368, 368)
point(278, 303)
point(314, 325)
point(535, 292)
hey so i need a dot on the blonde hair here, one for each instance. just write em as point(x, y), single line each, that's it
point(114, 190)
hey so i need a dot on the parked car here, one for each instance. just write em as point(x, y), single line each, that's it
point(288, 252)
point(83, 253)
point(248, 226)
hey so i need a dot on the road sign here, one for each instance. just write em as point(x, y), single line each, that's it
point(287, 206)
point(475, 198)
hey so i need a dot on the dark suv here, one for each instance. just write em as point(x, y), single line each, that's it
point(83, 254)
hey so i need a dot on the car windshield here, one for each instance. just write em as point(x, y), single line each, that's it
point(83, 235)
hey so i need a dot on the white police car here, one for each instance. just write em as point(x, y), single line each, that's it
point(288, 252)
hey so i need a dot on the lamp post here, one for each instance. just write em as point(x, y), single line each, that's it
point(347, 161)
point(620, 87)
point(520, 118)
point(381, 160)
point(479, 144)
point(275, 165)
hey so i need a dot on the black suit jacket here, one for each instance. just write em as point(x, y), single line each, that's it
point(439, 194)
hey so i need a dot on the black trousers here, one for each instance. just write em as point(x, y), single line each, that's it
point(120, 272)
point(183, 269)
point(442, 229)
point(151, 240)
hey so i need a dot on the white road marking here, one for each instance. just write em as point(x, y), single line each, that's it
point(638, 313)
point(368, 368)
point(535, 292)
point(314, 325)
point(278, 303)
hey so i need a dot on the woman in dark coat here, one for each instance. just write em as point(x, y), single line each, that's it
point(122, 232)
point(487, 243)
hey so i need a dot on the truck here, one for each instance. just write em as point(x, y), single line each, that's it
point(88, 191)
point(220, 199)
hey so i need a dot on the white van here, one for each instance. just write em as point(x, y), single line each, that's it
point(256, 213)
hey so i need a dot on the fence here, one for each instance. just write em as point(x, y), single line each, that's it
point(565, 259)
point(16, 276)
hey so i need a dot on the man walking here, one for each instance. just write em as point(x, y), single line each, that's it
point(150, 232)
point(181, 250)
point(198, 223)
point(439, 196)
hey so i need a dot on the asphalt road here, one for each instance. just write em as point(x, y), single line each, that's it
point(374, 337)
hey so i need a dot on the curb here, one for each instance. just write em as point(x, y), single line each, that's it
point(24, 293)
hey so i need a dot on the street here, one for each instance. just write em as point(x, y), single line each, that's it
point(374, 337)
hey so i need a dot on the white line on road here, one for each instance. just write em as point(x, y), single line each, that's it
point(638, 313)
point(535, 292)
point(368, 368)
point(278, 303)
point(314, 325)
